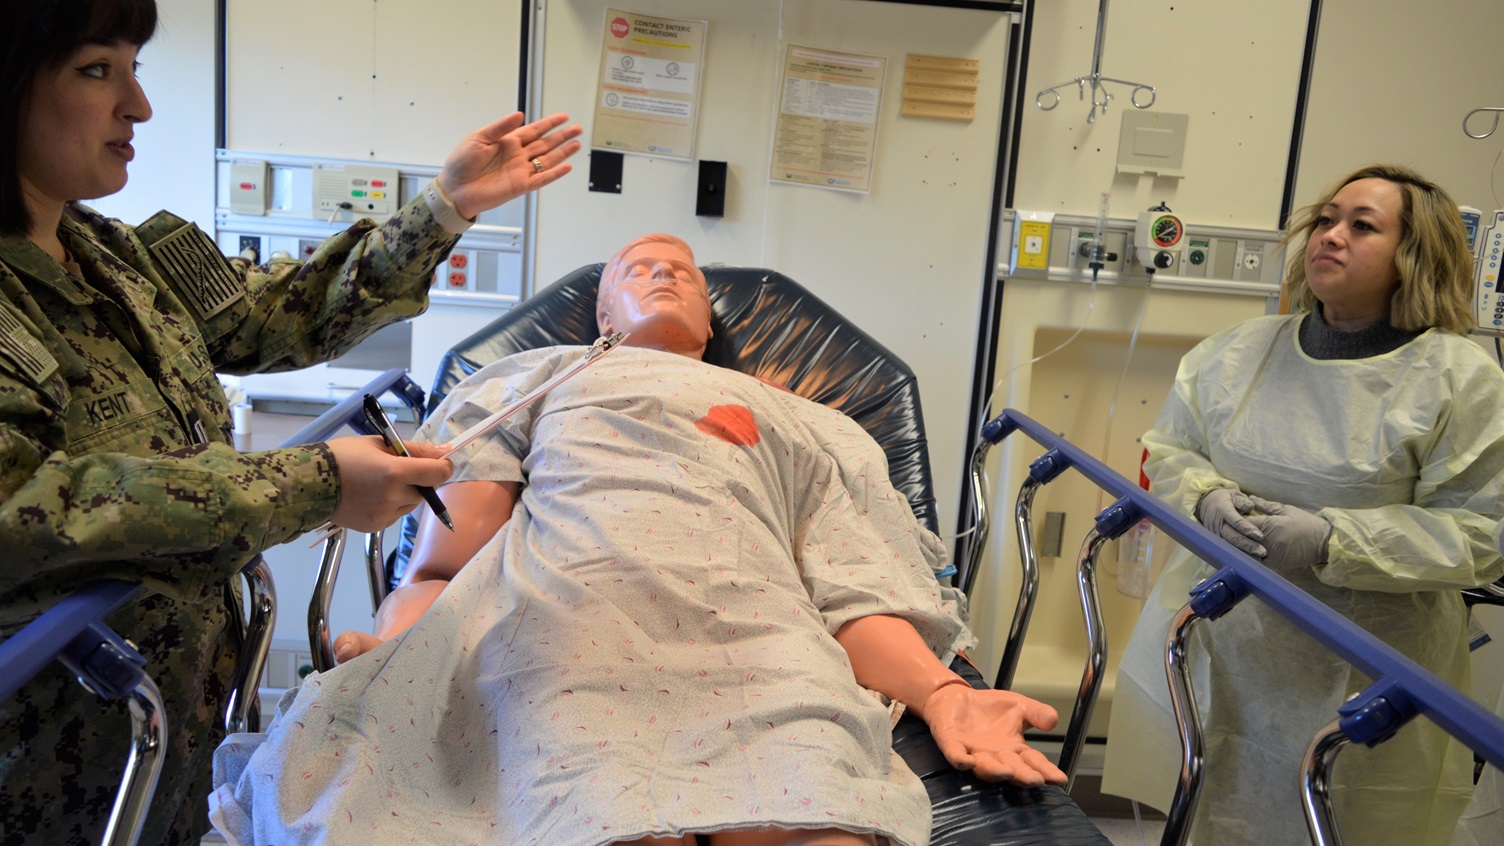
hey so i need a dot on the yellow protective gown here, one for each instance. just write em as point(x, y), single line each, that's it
point(1404, 454)
point(1482, 824)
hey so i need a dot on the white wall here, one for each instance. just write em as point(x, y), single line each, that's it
point(1393, 81)
point(174, 165)
point(355, 79)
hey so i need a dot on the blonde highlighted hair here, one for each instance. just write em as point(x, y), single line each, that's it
point(1434, 264)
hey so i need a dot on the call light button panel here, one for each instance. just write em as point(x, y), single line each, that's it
point(351, 192)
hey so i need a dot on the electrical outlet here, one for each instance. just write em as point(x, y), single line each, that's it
point(306, 248)
point(459, 271)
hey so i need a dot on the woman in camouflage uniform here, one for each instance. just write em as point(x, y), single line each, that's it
point(115, 451)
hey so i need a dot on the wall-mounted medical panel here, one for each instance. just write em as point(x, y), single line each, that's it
point(1216, 259)
point(478, 281)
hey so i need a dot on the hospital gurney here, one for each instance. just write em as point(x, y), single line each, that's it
point(767, 325)
point(1401, 691)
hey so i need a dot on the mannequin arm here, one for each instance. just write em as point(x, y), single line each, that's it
point(888, 656)
point(479, 511)
point(977, 730)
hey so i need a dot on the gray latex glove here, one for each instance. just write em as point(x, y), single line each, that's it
point(1224, 511)
point(1294, 536)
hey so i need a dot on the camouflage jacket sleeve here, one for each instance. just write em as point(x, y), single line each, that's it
point(295, 314)
point(181, 522)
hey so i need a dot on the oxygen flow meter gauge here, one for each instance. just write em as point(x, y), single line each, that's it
point(1157, 237)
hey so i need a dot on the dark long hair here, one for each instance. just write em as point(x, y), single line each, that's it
point(36, 37)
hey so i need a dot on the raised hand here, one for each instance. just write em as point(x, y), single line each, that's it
point(500, 162)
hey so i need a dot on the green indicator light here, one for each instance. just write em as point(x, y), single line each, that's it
point(357, 193)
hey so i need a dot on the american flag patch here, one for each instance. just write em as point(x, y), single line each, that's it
point(35, 362)
point(197, 270)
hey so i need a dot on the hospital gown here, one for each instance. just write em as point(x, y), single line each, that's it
point(1404, 454)
point(647, 648)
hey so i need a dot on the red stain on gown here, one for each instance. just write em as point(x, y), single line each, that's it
point(733, 424)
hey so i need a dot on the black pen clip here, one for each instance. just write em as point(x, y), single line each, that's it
point(376, 417)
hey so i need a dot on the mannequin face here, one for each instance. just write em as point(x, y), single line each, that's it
point(1350, 255)
point(657, 294)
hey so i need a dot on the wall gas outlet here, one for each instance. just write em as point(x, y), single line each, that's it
point(1250, 262)
point(1114, 245)
point(1031, 239)
point(1197, 258)
point(252, 243)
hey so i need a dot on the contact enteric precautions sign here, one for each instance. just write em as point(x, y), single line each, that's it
point(648, 100)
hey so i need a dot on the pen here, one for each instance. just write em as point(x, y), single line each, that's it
point(383, 424)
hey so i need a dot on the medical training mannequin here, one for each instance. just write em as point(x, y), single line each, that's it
point(116, 459)
point(1356, 447)
point(653, 290)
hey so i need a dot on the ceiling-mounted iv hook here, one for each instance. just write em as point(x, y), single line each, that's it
point(1096, 80)
point(1495, 109)
point(1079, 82)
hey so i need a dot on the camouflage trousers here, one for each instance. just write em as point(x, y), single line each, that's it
point(65, 749)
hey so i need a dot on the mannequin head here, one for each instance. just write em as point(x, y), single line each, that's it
point(653, 290)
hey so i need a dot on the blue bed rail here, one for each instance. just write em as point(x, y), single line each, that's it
point(1401, 690)
point(73, 632)
point(1409, 688)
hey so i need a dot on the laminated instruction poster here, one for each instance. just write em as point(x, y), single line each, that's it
point(650, 85)
point(827, 119)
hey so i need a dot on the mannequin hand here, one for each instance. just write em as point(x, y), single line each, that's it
point(494, 164)
point(983, 731)
point(376, 486)
point(1223, 510)
point(1294, 537)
